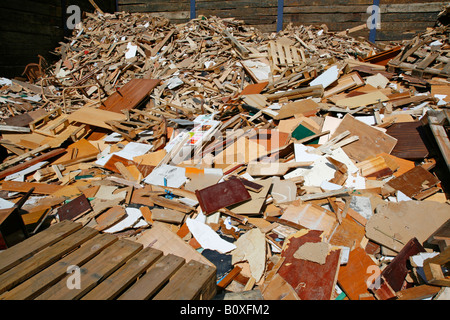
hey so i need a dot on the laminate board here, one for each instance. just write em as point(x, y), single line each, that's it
point(410, 140)
point(130, 95)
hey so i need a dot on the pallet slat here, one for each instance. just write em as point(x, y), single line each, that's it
point(111, 287)
point(23, 250)
point(44, 258)
point(106, 268)
point(93, 271)
point(36, 285)
point(186, 284)
point(154, 279)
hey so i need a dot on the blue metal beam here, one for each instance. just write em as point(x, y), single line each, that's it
point(193, 13)
point(280, 15)
point(373, 31)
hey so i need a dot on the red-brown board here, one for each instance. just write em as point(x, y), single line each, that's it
point(222, 195)
point(310, 280)
point(130, 95)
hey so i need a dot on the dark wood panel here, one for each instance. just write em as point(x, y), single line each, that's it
point(155, 7)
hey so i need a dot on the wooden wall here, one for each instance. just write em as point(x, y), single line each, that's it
point(34, 27)
point(400, 19)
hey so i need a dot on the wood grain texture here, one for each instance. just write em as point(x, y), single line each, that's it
point(104, 264)
point(409, 137)
point(193, 281)
point(44, 258)
point(37, 284)
point(23, 250)
point(155, 278)
point(112, 286)
point(130, 95)
point(39, 188)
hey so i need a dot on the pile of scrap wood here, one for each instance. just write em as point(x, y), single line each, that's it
point(303, 165)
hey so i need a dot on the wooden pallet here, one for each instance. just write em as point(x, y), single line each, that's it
point(285, 56)
point(54, 124)
point(421, 60)
point(70, 262)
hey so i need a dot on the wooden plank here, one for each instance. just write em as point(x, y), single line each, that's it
point(168, 215)
point(171, 204)
point(25, 249)
point(432, 268)
point(23, 156)
point(193, 281)
point(394, 274)
point(110, 217)
point(36, 285)
point(74, 208)
point(94, 271)
point(112, 286)
point(374, 167)
point(39, 188)
point(44, 258)
point(441, 236)
point(427, 60)
point(418, 292)
point(95, 117)
point(154, 278)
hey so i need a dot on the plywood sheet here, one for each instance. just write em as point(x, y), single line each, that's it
point(306, 107)
point(254, 205)
point(371, 141)
point(362, 100)
point(394, 224)
point(413, 181)
point(80, 150)
point(95, 117)
point(311, 216)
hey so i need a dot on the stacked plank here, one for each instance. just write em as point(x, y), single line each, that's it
point(300, 148)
